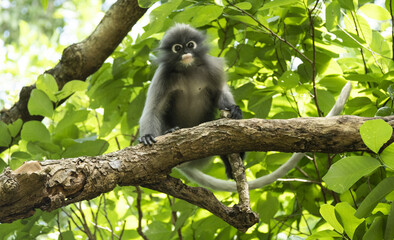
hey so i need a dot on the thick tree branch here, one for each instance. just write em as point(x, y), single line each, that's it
point(84, 58)
point(51, 184)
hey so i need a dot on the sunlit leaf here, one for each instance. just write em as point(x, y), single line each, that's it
point(35, 131)
point(40, 104)
point(279, 3)
point(375, 133)
point(344, 173)
point(346, 216)
point(375, 11)
point(48, 85)
point(288, 80)
point(15, 127)
point(71, 87)
point(244, 5)
point(327, 211)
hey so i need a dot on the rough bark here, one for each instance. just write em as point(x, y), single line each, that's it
point(82, 59)
point(51, 184)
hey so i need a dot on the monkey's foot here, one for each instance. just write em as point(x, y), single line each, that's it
point(171, 130)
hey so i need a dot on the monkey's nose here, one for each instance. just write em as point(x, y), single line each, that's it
point(187, 59)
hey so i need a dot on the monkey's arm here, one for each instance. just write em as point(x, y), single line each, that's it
point(151, 121)
point(226, 102)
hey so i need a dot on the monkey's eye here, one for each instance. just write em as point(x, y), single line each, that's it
point(176, 48)
point(191, 44)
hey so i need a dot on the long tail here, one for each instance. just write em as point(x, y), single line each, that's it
point(205, 180)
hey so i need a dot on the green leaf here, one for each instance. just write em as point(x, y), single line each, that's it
point(387, 156)
point(384, 112)
point(47, 84)
point(389, 234)
point(15, 127)
point(70, 88)
point(288, 80)
point(375, 231)
point(326, 100)
point(344, 173)
point(87, 148)
point(267, 208)
point(390, 90)
point(70, 118)
point(278, 3)
point(327, 211)
point(205, 14)
point(333, 15)
point(5, 136)
point(349, 4)
point(385, 187)
point(375, 133)
point(325, 234)
point(135, 109)
point(244, 19)
point(244, 5)
point(44, 4)
point(375, 12)
point(347, 218)
point(35, 131)
point(146, 3)
point(40, 104)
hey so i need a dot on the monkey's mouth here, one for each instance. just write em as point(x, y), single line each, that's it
point(187, 59)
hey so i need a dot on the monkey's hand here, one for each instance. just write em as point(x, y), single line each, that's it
point(147, 139)
point(171, 130)
point(235, 112)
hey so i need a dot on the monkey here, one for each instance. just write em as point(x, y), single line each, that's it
point(187, 89)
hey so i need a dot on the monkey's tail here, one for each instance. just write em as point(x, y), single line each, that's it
point(205, 180)
point(208, 181)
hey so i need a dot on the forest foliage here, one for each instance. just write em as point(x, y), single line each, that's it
point(284, 59)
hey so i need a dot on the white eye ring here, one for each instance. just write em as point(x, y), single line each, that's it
point(191, 44)
point(176, 47)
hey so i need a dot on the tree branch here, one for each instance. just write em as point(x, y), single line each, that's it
point(84, 58)
point(51, 184)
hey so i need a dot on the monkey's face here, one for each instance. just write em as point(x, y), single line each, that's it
point(184, 52)
point(183, 47)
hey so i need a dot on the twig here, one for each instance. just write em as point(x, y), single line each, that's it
point(311, 23)
point(174, 218)
point(138, 206)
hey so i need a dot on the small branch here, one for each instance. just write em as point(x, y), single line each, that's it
point(205, 199)
point(174, 218)
point(311, 23)
point(361, 50)
point(392, 29)
point(138, 206)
